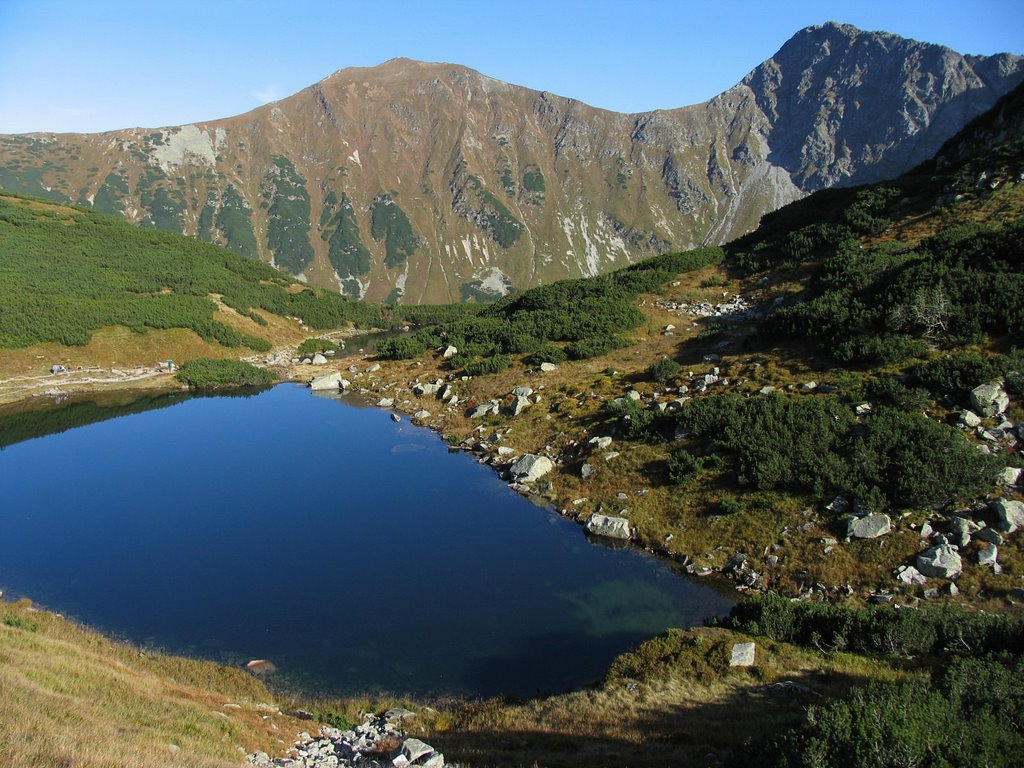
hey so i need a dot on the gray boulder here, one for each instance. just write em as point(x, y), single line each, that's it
point(548, 367)
point(909, 575)
point(1010, 513)
point(522, 391)
point(1009, 476)
point(969, 419)
point(520, 404)
point(600, 442)
point(940, 562)
point(868, 527)
point(323, 383)
point(531, 467)
point(742, 655)
point(611, 527)
point(485, 409)
point(319, 359)
point(586, 471)
point(987, 556)
point(989, 399)
point(449, 352)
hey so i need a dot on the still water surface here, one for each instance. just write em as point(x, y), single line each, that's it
point(355, 553)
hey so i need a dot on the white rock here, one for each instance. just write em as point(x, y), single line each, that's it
point(742, 655)
point(1011, 514)
point(449, 352)
point(330, 381)
point(1009, 476)
point(548, 367)
point(611, 527)
point(941, 562)
point(531, 467)
point(319, 359)
point(989, 399)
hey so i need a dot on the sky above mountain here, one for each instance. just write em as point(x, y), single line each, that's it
point(67, 65)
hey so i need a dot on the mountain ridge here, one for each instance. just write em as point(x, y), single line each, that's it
point(428, 182)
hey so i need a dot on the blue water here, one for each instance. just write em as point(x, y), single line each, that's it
point(355, 553)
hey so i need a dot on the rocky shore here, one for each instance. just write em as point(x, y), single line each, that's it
point(377, 742)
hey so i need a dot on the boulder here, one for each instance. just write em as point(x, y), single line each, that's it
point(484, 409)
point(323, 383)
point(518, 405)
point(908, 574)
point(385, 402)
point(373, 368)
point(742, 655)
point(1009, 476)
point(989, 535)
point(940, 562)
point(531, 467)
point(988, 555)
point(868, 527)
point(548, 367)
point(426, 389)
point(319, 359)
point(522, 391)
point(413, 749)
point(586, 471)
point(1010, 513)
point(422, 415)
point(395, 418)
point(969, 419)
point(449, 352)
point(600, 442)
point(611, 527)
point(989, 399)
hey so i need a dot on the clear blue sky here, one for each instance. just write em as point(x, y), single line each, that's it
point(91, 65)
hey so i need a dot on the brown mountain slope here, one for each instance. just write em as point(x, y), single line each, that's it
point(432, 182)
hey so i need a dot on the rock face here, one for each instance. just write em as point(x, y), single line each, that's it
point(611, 527)
point(941, 562)
point(368, 180)
point(530, 468)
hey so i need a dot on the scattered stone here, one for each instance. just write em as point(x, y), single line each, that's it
point(766, 390)
point(633, 395)
point(808, 386)
point(485, 409)
point(989, 399)
point(1011, 514)
point(927, 530)
point(319, 359)
point(396, 418)
point(742, 655)
point(385, 402)
point(600, 442)
point(611, 527)
point(530, 468)
point(522, 391)
point(838, 506)
point(587, 470)
point(373, 368)
point(868, 527)
point(940, 562)
point(449, 352)
point(548, 367)
point(422, 415)
point(611, 455)
point(863, 409)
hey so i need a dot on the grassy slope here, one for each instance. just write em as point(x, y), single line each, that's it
point(71, 697)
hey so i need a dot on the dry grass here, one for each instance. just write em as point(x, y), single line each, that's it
point(676, 718)
point(71, 697)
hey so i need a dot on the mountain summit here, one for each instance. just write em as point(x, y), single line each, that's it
point(427, 182)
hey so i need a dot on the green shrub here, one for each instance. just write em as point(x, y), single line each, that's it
point(548, 353)
point(204, 373)
point(683, 466)
point(663, 371)
point(400, 348)
point(487, 365)
point(314, 346)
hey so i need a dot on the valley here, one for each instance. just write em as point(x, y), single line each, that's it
point(803, 394)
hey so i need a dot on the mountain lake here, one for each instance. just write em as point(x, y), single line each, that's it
point(354, 553)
